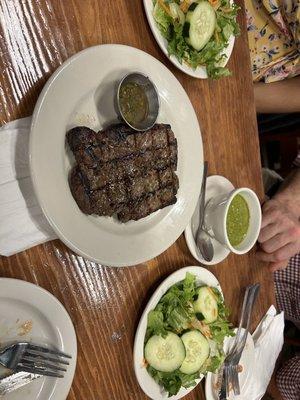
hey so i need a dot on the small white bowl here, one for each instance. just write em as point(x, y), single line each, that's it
point(216, 216)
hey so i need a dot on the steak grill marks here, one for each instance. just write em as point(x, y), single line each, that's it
point(123, 172)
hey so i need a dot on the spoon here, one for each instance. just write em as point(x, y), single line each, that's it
point(203, 240)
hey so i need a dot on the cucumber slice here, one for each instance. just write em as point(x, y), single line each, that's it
point(206, 304)
point(165, 354)
point(200, 24)
point(197, 351)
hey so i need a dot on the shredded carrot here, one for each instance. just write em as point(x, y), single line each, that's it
point(185, 5)
point(164, 7)
point(144, 363)
point(202, 327)
point(215, 4)
point(205, 330)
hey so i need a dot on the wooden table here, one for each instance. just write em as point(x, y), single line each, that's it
point(105, 304)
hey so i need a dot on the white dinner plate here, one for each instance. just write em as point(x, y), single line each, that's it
point(146, 382)
point(30, 313)
point(81, 92)
point(199, 72)
point(246, 364)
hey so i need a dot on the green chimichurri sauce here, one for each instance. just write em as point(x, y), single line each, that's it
point(237, 222)
point(133, 103)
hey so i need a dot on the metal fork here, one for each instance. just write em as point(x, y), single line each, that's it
point(229, 372)
point(34, 359)
point(249, 301)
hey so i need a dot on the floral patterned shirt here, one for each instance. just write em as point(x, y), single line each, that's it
point(274, 38)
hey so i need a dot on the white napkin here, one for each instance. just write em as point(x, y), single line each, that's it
point(268, 342)
point(22, 223)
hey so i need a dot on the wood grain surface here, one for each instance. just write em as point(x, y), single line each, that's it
point(105, 304)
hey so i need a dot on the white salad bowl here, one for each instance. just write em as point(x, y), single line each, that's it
point(199, 72)
point(146, 382)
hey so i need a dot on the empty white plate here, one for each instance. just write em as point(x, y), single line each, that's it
point(30, 313)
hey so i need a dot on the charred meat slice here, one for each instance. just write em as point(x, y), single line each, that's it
point(80, 191)
point(143, 207)
point(117, 142)
point(132, 166)
point(123, 172)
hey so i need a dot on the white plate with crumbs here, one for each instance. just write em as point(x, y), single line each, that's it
point(82, 93)
point(30, 313)
point(146, 382)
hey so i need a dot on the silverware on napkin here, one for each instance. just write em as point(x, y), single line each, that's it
point(229, 370)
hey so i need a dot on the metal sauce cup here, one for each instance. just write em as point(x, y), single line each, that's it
point(152, 96)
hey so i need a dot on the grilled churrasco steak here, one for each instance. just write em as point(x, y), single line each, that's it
point(123, 172)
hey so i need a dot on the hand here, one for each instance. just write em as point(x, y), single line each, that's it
point(280, 234)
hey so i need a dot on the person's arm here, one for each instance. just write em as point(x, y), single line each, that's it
point(278, 97)
point(280, 232)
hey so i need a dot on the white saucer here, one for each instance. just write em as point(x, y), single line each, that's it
point(246, 362)
point(215, 185)
point(30, 313)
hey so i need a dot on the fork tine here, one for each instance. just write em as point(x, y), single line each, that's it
point(49, 351)
point(41, 364)
point(235, 380)
point(227, 381)
point(45, 357)
point(38, 371)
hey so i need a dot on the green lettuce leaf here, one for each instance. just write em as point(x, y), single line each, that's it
point(155, 325)
point(212, 364)
point(173, 381)
point(216, 72)
point(163, 21)
point(176, 305)
point(189, 287)
point(221, 327)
